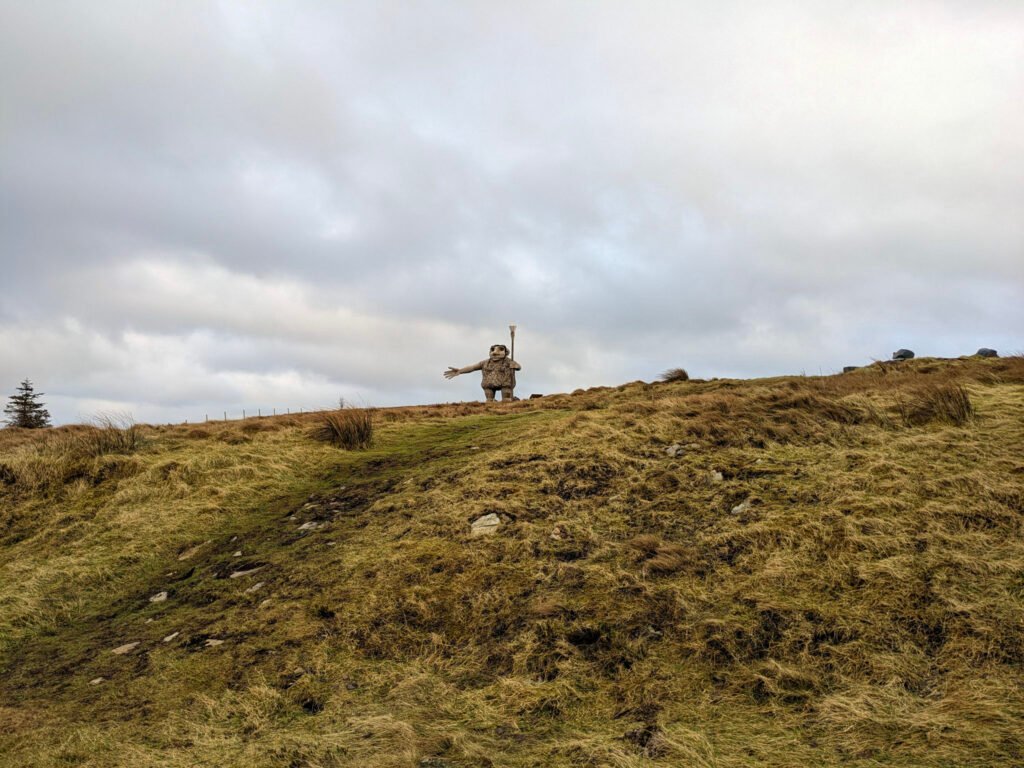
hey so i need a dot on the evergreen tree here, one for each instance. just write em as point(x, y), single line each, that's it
point(25, 410)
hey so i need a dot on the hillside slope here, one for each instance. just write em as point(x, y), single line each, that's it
point(792, 571)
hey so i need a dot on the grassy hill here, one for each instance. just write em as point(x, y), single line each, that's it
point(783, 572)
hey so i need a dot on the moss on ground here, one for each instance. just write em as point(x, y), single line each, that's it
point(820, 571)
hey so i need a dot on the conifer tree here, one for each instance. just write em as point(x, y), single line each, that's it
point(25, 410)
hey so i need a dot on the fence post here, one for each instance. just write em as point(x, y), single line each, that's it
point(259, 412)
point(225, 415)
point(243, 414)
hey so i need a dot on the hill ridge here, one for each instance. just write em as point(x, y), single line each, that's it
point(813, 570)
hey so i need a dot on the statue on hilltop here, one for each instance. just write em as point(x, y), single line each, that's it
point(499, 371)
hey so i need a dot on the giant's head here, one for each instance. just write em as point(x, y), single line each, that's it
point(498, 351)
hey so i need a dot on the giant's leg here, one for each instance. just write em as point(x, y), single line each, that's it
point(489, 394)
point(506, 394)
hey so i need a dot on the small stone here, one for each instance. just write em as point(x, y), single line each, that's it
point(121, 650)
point(487, 524)
point(312, 525)
point(96, 680)
point(233, 540)
point(535, 396)
point(717, 477)
point(741, 507)
point(149, 620)
point(474, 447)
point(237, 554)
point(848, 368)
point(240, 574)
point(213, 642)
point(255, 587)
point(265, 603)
point(675, 450)
point(171, 636)
point(331, 543)
point(159, 597)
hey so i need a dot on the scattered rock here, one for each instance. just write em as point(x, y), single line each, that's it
point(848, 368)
point(474, 447)
point(171, 636)
point(239, 574)
point(558, 533)
point(675, 450)
point(255, 587)
point(717, 477)
point(121, 650)
point(265, 603)
point(485, 525)
point(903, 354)
point(237, 554)
point(212, 642)
point(535, 396)
point(159, 597)
point(96, 680)
point(740, 508)
point(312, 525)
point(986, 352)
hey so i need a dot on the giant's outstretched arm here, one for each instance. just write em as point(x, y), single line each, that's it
point(452, 371)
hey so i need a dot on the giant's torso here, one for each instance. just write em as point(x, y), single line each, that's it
point(498, 374)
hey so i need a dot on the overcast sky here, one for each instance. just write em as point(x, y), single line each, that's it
point(215, 206)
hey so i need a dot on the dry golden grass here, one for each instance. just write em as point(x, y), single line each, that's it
point(814, 579)
point(350, 428)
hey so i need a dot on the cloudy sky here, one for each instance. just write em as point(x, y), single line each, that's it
point(214, 206)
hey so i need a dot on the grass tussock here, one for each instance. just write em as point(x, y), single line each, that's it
point(775, 572)
point(349, 428)
point(675, 374)
point(111, 433)
point(946, 403)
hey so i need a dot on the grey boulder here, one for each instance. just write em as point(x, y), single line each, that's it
point(986, 352)
point(903, 354)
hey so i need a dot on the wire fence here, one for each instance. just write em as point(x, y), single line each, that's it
point(248, 413)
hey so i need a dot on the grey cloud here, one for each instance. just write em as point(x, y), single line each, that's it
point(209, 201)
